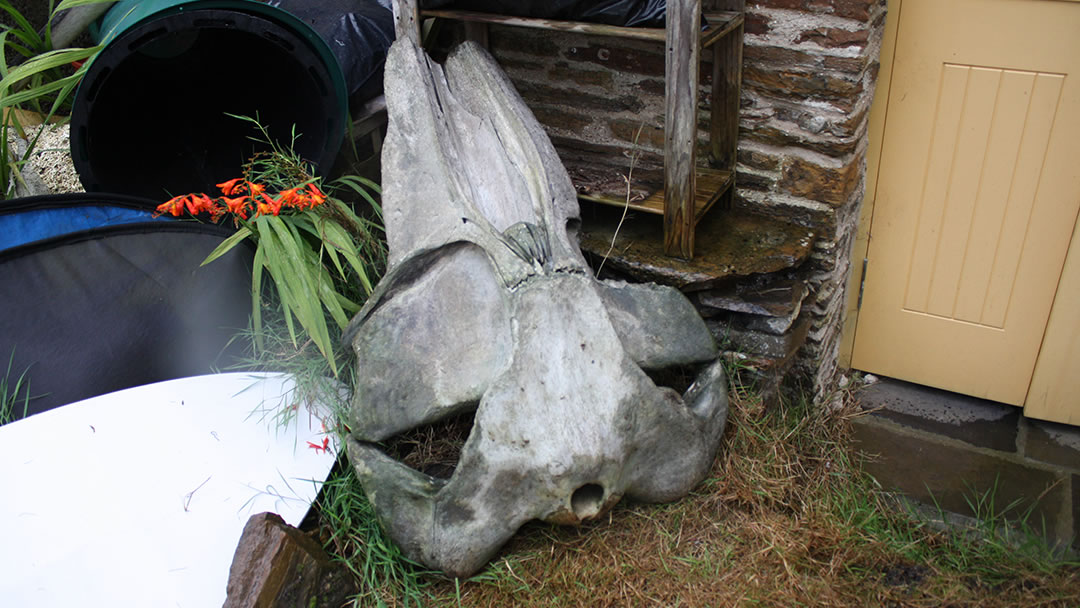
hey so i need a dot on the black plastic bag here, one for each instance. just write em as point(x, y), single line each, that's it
point(643, 13)
point(358, 32)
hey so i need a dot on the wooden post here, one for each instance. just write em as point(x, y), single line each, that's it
point(680, 125)
point(407, 20)
point(726, 77)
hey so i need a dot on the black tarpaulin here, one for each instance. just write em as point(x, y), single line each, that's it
point(105, 308)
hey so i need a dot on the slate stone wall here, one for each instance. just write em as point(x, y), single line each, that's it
point(809, 68)
point(808, 81)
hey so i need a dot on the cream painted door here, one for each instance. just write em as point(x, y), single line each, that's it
point(977, 195)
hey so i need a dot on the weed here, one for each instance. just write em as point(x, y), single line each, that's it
point(628, 178)
point(14, 395)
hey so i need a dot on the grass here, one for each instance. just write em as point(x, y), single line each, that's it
point(14, 394)
point(786, 518)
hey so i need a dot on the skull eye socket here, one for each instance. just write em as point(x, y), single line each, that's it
point(587, 500)
point(432, 449)
point(676, 377)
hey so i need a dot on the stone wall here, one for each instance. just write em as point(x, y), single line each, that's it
point(808, 78)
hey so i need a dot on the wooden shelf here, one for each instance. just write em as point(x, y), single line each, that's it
point(710, 185)
point(689, 191)
point(718, 25)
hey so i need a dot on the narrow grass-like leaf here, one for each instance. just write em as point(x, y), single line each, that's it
point(242, 233)
point(308, 312)
point(22, 29)
point(256, 297)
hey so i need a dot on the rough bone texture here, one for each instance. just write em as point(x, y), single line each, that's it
point(488, 304)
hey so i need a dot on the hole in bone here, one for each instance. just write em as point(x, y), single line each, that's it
point(677, 377)
point(433, 449)
point(586, 500)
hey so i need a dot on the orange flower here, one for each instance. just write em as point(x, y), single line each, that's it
point(199, 203)
point(291, 198)
point(267, 205)
point(233, 186)
point(315, 195)
point(255, 189)
point(320, 448)
point(237, 206)
point(174, 206)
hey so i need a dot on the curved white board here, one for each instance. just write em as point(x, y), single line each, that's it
point(138, 498)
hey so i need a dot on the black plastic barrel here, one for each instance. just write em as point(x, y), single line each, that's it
point(151, 116)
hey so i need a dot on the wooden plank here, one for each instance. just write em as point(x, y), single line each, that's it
point(407, 20)
point(369, 117)
point(595, 29)
point(680, 125)
point(1055, 383)
point(711, 184)
point(719, 25)
point(724, 120)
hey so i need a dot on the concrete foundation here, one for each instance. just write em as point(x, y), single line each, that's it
point(966, 455)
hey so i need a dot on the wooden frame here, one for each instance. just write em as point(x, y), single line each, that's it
point(689, 191)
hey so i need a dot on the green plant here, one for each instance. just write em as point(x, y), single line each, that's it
point(39, 79)
point(350, 531)
point(320, 255)
point(13, 395)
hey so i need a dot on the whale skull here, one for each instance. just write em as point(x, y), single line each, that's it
point(489, 306)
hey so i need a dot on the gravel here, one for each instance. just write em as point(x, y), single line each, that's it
point(49, 169)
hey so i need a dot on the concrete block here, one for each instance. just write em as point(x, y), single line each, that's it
point(976, 421)
point(953, 475)
point(1076, 513)
point(1052, 443)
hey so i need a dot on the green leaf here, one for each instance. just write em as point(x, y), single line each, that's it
point(47, 61)
point(302, 275)
point(271, 257)
point(23, 29)
point(362, 186)
point(256, 294)
point(227, 245)
point(337, 239)
point(66, 4)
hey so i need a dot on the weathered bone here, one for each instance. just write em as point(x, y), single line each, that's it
point(489, 305)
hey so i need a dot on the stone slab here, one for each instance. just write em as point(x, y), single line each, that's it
point(951, 474)
point(771, 298)
point(728, 244)
point(975, 421)
point(276, 565)
point(760, 344)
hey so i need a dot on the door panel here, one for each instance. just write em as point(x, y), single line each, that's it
point(977, 195)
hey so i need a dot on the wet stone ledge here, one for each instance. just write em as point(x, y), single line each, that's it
point(729, 245)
